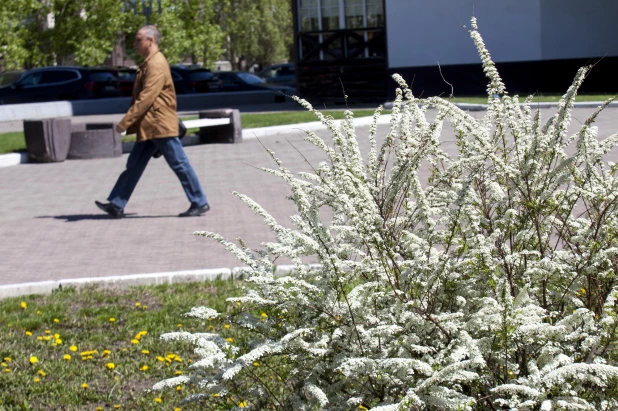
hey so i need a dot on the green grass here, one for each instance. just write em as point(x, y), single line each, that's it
point(98, 327)
point(11, 142)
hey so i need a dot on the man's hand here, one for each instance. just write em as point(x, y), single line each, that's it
point(119, 129)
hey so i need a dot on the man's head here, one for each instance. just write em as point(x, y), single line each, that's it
point(147, 40)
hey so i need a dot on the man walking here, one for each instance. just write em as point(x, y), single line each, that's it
point(152, 116)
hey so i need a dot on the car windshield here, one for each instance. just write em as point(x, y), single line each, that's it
point(201, 75)
point(251, 78)
point(9, 78)
point(101, 76)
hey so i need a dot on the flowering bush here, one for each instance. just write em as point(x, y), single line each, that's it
point(491, 285)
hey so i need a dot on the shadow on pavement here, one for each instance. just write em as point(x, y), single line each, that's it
point(79, 217)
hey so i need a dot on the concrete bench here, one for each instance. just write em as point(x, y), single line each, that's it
point(97, 140)
point(229, 132)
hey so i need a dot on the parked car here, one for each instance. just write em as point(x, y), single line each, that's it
point(9, 77)
point(281, 74)
point(126, 78)
point(60, 83)
point(242, 81)
point(194, 80)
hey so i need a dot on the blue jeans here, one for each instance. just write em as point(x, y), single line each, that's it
point(172, 150)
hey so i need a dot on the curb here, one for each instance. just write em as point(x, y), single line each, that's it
point(123, 281)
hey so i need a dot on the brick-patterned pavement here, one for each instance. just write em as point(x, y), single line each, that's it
point(50, 228)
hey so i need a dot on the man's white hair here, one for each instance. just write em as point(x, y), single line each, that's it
point(152, 32)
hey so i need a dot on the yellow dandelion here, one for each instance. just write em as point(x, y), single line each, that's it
point(99, 409)
point(73, 348)
point(230, 339)
point(112, 320)
point(28, 333)
point(47, 332)
point(56, 335)
point(179, 388)
point(116, 406)
point(23, 305)
point(177, 409)
point(137, 304)
point(226, 326)
point(38, 313)
point(41, 373)
point(56, 320)
point(47, 338)
point(256, 364)
point(3, 364)
point(242, 404)
point(264, 315)
point(58, 341)
point(158, 400)
point(106, 353)
point(39, 338)
point(37, 379)
point(582, 290)
point(145, 307)
point(179, 325)
point(144, 368)
point(67, 357)
point(215, 395)
point(362, 407)
point(134, 341)
point(84, 385)
point(160, 359)
point(7, 359)
point(110, 365)
point(7, 370)
point(145, 352)
point(33, 360)
point(178, 373)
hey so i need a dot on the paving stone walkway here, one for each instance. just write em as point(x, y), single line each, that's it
point(50, 228)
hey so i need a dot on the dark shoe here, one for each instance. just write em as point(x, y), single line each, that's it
point(111, 209)
point(195, 211)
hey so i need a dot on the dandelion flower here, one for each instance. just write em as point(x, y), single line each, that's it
point(145, 352)
point(158, 399)
point(177, 409)
point(138, 304)
point(256, 364)
point(41, 373)
point(47, 332)
point(33, 360)
point(145, 307)
point(99, 409)
point(106, 353)
point(179, 325)
point(56, 320)
point(73, 348)
point(7, 370)
point(28, 333)
point(110, 365)
point(112, 320)
point(23, 305)
point(230, 339)
point(144, 368)
point(37, 379)
point(84, 385)
point(242, 404)
point(134, 341)
point(179, 388)
point(7, 359)
point(67, 357)
point(178, 373)
point(160, 359)
point(264, 315)
point(226, 326)
point(116, 406)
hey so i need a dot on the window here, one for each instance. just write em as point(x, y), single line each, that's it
point(308, 13)
point(250, 78)
point(375, 13)
point(201, 75)
point(101, 76)
point(31, 79)
point(354, 14)
point(330, 14)
point(58, 76)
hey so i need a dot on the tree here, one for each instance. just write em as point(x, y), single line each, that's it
point(259, 32)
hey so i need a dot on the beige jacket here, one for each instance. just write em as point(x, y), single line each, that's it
point(153, 109)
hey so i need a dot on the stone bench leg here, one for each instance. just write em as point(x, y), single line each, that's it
point(48, 140)
point(227, 133)
point(97, 141)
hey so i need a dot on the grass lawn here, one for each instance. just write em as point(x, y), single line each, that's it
point(99, 349)
point(11, 142)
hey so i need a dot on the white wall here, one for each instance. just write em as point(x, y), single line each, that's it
point(579, 28)
point(425, 32)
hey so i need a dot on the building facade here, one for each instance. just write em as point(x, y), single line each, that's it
point(537, 45)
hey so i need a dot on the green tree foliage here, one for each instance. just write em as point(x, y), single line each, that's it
point(260, 32)
point(46, 32)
